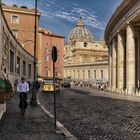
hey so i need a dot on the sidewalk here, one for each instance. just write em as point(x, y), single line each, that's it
point(108, 94)
point(35, 125)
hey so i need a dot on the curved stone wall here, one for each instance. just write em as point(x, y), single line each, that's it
point(122, 35)
point(14, 60)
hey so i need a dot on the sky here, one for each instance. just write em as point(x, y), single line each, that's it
point(61, 16)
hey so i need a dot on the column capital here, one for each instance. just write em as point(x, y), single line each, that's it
point(129, 26)
point(118, 31)
point(127, 22)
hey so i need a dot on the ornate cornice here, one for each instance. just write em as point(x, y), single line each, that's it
point(103, 63)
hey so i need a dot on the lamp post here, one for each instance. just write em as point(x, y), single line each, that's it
point(33, 99)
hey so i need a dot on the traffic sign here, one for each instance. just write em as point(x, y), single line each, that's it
point(54, 54)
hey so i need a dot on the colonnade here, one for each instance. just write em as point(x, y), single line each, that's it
point(87, 74)
point(124, 61)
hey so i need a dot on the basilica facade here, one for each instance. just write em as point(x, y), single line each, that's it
point(85, 58)
point(122, 35)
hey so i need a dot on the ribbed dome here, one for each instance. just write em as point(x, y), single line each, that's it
point(80, 33)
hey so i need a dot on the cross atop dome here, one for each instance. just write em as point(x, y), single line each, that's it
point(80, 22)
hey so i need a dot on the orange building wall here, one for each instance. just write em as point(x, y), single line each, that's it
point(25, 27)
point(47, 41)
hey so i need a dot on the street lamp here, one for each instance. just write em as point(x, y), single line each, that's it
point(33, 99)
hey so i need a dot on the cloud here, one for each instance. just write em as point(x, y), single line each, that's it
point(65, 10)
point(73, 13)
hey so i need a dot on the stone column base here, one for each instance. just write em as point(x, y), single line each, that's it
point(121, 92)
point(130, 92)
point(137, 93)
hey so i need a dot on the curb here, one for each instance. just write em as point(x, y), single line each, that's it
point(111, 95)
point(68, 135)
point(2, 116)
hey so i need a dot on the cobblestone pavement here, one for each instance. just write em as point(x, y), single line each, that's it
point(35, 125)
point(95, 117)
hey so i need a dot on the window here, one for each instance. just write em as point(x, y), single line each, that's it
point(46, 73)
point(56, 73)
point(85, 44)
point(78, 74)
point(94, 74)
point(11, 61)
point(29, 70)
point(18, 65)
point(101, 74)
point(47, 49)
point(47, 58)
point(24, 68)
point(15, 19)
point(15, 33)
point(88, 73)
point(83, 74)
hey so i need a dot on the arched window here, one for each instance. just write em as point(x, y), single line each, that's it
point(89, 74)
point(94, 74)
point(102, 74)
point(11, 61)
point(83, 74)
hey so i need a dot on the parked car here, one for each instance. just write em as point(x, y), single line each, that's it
point(66, 83)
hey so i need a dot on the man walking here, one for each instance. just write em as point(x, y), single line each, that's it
point(23, 89)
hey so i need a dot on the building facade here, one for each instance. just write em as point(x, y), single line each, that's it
point(122, 35)
point(21, 22)
point(15, 61)
point(84, 58)
point(46, 40)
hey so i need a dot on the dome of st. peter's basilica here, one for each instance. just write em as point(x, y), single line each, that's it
point(80, 34)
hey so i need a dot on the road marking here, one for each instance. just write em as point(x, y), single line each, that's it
point(59, 125)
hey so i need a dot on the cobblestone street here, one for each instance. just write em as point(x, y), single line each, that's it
point(95, 117)
point(35, 125)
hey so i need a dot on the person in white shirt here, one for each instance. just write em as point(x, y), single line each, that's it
point(22, 89)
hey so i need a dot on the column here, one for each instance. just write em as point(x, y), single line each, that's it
point(130, 59)
point(114, 64)
point(110, 65)
point(69, 73)
point(64, 74)
point(81, 74)
point(138, 59)
point(86, 74)
point(120, 61)
point(1, 38)
point(78, 75)
point(72, 74)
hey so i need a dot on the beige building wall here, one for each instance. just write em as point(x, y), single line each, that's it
point(85, 58)
point(89, 73)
